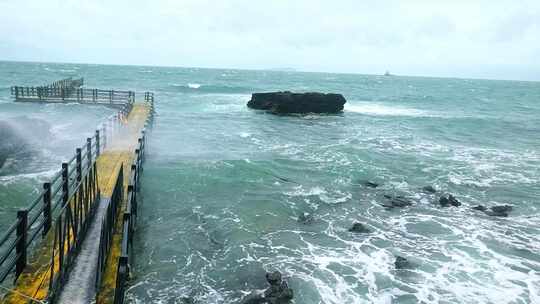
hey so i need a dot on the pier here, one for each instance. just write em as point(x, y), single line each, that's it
point(72, 244)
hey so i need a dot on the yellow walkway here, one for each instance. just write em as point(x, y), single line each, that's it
point(33, 283)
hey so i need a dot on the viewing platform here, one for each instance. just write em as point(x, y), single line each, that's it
point(73, 243)
point(71, 90)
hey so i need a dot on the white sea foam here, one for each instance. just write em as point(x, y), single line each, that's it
point(194, 85)
point(385, 110)
point(8, 179)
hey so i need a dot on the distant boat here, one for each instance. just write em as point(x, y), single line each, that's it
point(387, 74)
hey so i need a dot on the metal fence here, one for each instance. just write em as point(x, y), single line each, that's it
point(66, 203)
point(130, 214)
point(71, 94)
point(67, 83)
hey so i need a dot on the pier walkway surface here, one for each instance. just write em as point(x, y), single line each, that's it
point(83, 282)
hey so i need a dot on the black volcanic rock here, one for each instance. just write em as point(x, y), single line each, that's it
point(396, 201)
point(369, 184)
point(480, 208)
point(359, 228)
point(297, 103)
point(306, 218)
point(501, 210)
point(278, 292)
point(401, 263)
point(429, 189)
point(449, 200)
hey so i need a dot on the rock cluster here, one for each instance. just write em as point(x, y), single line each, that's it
point(502, 210)
point(449, 200)
point(401, 263)
point(397, 201)
point(297, 103)
point(359, 228)
point(278, 292)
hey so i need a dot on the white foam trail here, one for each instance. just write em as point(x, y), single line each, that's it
point(194, 85)
point(380, 109)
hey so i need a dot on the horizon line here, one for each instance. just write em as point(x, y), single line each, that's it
point(269, 69)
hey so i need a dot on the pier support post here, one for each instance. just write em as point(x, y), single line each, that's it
point(22, 234)
point(47, 215)
point(65, 184)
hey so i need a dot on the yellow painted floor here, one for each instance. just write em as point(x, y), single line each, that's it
point(34, 281)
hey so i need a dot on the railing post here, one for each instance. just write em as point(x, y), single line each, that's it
point(121, 279)
point(97, 143)
point(135, 175)
point(89, 151)
point(22, 233)
point(79, 164)
point(47, 215)
point(65, 184)
point(16, 92)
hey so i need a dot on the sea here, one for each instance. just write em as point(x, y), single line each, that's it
point(230, 193)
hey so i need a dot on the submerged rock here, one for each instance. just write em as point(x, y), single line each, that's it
point(401, 263)
point(480, 208)
point(297, 103)
point(278, 292)
point(359, 228)
point(369, 184)
point(397, 201)
point(449, 200)
point(429, 189)
point(255, 297)
point(501, 210)
point(187, 300)
point(306, 218)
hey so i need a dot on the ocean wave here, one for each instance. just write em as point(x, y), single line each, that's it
point(209, 88)
point(384, 110)
point(9, 179)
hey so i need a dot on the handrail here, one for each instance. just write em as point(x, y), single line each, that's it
point(65, 94)
point(108, 224)
point(73, 195)
point(130, 214)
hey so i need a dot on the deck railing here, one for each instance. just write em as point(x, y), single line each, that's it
point(66, 204)
point(108, 225)
point(130, 214)
point(71, 94)
point(67, 83)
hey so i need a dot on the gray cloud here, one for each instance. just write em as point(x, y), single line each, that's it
point(493, 39)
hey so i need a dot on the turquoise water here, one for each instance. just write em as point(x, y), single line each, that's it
point(223, 185)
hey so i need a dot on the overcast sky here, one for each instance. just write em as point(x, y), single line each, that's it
point(487, 39)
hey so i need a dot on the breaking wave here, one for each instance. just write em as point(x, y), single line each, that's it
point(380, 109)
point(209, 89)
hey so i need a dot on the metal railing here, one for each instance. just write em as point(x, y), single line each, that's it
point(67, 83)
point(66, 204)
point(66, 94)
point(130, 214)
point(108, 225)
